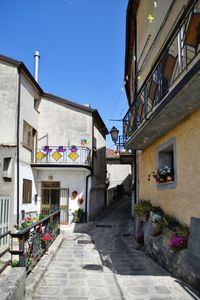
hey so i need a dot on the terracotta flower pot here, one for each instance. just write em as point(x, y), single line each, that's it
point(169, 178)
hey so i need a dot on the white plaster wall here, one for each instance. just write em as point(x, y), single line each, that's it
point(63, 124)
point(118, 174)
point(73, 179)
point(8, 100)
point(7, 187)
point(25, 172)
point(28, 114)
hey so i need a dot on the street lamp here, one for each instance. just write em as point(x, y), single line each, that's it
point(114, 134)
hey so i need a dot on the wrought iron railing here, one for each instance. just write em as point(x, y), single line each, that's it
point(5, 259)
point(34, 240)
point(180, 50)
point(63, 155)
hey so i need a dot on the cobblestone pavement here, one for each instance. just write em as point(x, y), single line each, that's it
point(99, 260)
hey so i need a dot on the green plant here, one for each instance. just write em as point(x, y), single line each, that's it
point(143, 208)
point(167, 221)
point(24, 223)
point(42, 216)
point(14, 263)
point(29, 262)
point(182, 231)
point(78, 215)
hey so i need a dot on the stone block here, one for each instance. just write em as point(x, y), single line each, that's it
point(194, 237)
point(12, 285)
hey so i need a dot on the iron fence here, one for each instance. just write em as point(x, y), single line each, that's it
point(180, 50)
point(4, 251)
point(34, 240)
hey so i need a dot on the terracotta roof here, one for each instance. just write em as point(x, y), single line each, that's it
point(110, 153)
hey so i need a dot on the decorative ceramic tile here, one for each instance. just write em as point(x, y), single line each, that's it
point(73, 156)
point(56, 155)
point(40, 155)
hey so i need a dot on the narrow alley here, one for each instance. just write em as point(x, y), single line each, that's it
point(100, 260)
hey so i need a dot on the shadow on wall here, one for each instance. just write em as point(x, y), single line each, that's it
point(117, 192)
point(98, 183)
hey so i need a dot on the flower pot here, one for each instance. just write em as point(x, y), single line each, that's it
point(169, 178)
point(139, 230)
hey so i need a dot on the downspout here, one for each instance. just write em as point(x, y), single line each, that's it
point(91, 173)
point(18, 125)
point(135, 94)
point(86, 197)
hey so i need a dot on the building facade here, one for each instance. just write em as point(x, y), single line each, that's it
point(118, 175)
point(49, 148)
point(162, 68)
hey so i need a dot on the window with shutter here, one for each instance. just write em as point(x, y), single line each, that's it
point(27, 191)
point(28, 135)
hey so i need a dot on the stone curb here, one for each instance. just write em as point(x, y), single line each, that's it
point(36, 275)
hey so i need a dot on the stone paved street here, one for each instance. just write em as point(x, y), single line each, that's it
point(101, 261)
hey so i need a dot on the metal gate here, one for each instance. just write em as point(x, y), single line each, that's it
point(54, 198)
point(4, 219)
point(64, 206)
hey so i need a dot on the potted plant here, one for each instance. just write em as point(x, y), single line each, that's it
point(141, 212)
point(78, 215)
point(162, 175)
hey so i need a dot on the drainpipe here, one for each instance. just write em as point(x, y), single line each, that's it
point(86, 196)
point(89, 175)
point(18, 125)
point(135, 94)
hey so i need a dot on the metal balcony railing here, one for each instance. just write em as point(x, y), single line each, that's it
point(75, 155)
point(178, 53)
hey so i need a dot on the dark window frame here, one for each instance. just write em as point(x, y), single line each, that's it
point(27, 191)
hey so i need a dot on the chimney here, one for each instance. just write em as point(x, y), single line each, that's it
point(36, 58)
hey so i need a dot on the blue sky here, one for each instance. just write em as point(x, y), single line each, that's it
point(82, 45)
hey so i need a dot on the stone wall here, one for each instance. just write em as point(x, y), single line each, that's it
point(184, 264)
point(12, 285)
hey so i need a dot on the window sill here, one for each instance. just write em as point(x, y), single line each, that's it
point(36, 109)
point(166, 185)
point(27, 147)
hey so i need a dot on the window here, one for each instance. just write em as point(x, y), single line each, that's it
point(166, 160)
point(94, 144)
point(27, 191)
point(37, 103)
point(28, 135)
point(7, 168)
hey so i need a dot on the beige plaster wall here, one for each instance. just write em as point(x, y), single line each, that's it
point(151, 36)
point(184, 200)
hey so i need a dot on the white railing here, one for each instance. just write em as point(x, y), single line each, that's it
point(75, 155)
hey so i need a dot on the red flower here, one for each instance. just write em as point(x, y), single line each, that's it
point(47, 237)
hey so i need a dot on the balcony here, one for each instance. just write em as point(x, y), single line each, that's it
point(171, 90)
point(62, 156)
